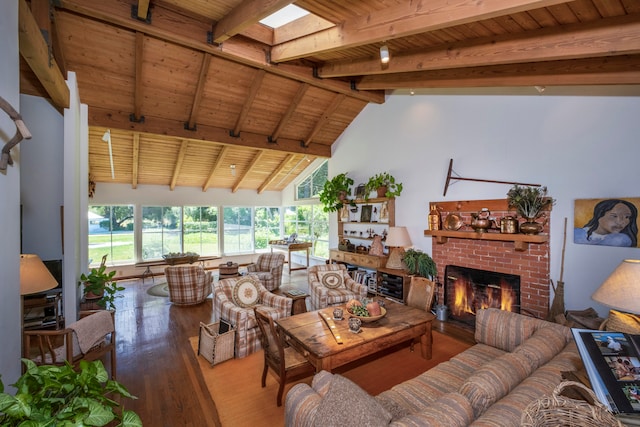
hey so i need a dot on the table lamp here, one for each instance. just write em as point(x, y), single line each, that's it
point(621, 290)
point(397, 239)
point(34, 275)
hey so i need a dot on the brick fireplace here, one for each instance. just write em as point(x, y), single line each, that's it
point(530, 263)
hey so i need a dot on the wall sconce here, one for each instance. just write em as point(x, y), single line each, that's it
point(21, 133)
point(384, 54)
point(233, 170)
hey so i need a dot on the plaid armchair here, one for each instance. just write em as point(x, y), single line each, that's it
point(327, 291)
point(233, 301)
point(268, 268)
point(188, 284)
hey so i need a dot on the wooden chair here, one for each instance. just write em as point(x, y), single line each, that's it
point(90, 338)
point(421, 295)
point(287, 363)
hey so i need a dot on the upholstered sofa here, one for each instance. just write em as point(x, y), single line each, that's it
point(516, 360)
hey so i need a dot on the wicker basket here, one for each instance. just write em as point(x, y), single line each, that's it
point(558, 410)
point(213, 346)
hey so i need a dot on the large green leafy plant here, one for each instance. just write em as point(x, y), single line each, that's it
point(99, 282)
point(334, 192)
point(529, 202)
point(420, 263)
point(60, 396)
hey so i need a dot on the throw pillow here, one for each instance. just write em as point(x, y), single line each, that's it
point(331, 279)
point(623, 322)
point(346, 403)
point(246, 292)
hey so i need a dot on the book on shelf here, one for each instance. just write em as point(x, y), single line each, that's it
point(612, 362)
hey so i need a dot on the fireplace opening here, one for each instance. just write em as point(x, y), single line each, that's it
point(468, 290)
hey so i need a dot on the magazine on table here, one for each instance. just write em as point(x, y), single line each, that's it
point(612, 362)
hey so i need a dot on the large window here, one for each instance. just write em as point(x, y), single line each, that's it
point(161, 231)
point(310, 188)
point(111, 234)
point(238, 230)
point(267, 226)
point(311, 224)
point(200, 226)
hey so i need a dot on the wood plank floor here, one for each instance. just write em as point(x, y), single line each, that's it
point(155, 360)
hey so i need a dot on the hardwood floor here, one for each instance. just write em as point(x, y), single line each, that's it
point(155, 360)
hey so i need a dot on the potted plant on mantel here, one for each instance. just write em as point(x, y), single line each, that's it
point(384, 184)
point(99, 285)
point(58, 395)
point(334, 193)
point(529, 202)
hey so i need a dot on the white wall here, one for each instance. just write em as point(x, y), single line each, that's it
point(10, 301)
point(578, 146)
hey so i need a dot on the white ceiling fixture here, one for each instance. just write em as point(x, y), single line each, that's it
point(107, 138)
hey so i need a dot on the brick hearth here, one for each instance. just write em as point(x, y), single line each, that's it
point(532, 265)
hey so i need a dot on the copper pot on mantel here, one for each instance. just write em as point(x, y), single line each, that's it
point(509, 225)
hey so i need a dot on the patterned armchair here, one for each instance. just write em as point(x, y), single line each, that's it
point(268, 268)
point(233, 301)
point(188, 284)
point(330, 284)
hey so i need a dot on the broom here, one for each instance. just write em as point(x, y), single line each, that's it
point(557, 306)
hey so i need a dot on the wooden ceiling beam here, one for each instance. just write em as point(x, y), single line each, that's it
point(139, 84)
point(35, 52)
point(607, 37)
point(247, 13)
point(303, 26)
point(202, 78)
point(58, 52)
point(143, 9)
point(325, 118)
point(290, 110)
point(246, 173)
point(179, 161)
point(223, 153)
point(237, 49)
point(248, 102)
point(275, 173)
point(615, 70)
point(120, 120)
point(135, 160)
point(406, 19)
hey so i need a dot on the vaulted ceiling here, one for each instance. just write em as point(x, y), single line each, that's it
point(190, 88)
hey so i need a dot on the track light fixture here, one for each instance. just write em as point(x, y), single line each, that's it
point(384, 54)
point(233, 170)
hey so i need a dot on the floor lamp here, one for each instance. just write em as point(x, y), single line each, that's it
point(397, 239)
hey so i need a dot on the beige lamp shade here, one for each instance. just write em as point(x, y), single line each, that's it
point(34, 275)
point(621, 290)
point(397, 239)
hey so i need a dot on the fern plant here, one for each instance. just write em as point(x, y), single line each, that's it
point(420, 263)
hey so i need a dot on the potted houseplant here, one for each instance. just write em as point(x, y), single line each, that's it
point(420, 263)
point(334, 193)
point(99, 285)
point(58, 395)
point(529, 202)
point(384, 184)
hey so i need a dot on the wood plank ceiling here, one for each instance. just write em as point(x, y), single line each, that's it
point(189, 88)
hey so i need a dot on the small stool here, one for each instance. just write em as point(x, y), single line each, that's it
point(228, 270)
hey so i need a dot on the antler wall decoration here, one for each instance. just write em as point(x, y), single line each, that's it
point(21, 133)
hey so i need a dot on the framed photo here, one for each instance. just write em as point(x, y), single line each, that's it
point(606, 222)
point(360, 190)
point(365, 214)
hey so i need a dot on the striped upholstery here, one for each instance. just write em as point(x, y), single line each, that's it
point(487, 385)
point(188, 284)
point(322, 297)
point(247, 330)
point(268, 268)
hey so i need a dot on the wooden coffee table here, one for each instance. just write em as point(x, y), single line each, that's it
point(309, 333)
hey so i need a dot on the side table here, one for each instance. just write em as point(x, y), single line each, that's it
point(299, 301)
point(228, 270)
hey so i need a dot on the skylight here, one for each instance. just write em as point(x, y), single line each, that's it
point(284, 16)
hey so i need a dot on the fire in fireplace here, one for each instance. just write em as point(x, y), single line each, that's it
point(468, 290)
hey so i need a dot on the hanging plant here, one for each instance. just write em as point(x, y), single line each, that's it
point(385, 184)
point(335, 191)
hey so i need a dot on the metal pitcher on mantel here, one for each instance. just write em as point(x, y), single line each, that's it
point(509, 225)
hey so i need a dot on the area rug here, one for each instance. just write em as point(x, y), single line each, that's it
point(159, 290)
point(235, 382)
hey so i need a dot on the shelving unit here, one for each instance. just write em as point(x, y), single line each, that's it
point(43, 311)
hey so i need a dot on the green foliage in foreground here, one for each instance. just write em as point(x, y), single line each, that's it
point(59, 396)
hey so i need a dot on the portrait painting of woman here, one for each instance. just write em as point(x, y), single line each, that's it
point(606, 222)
